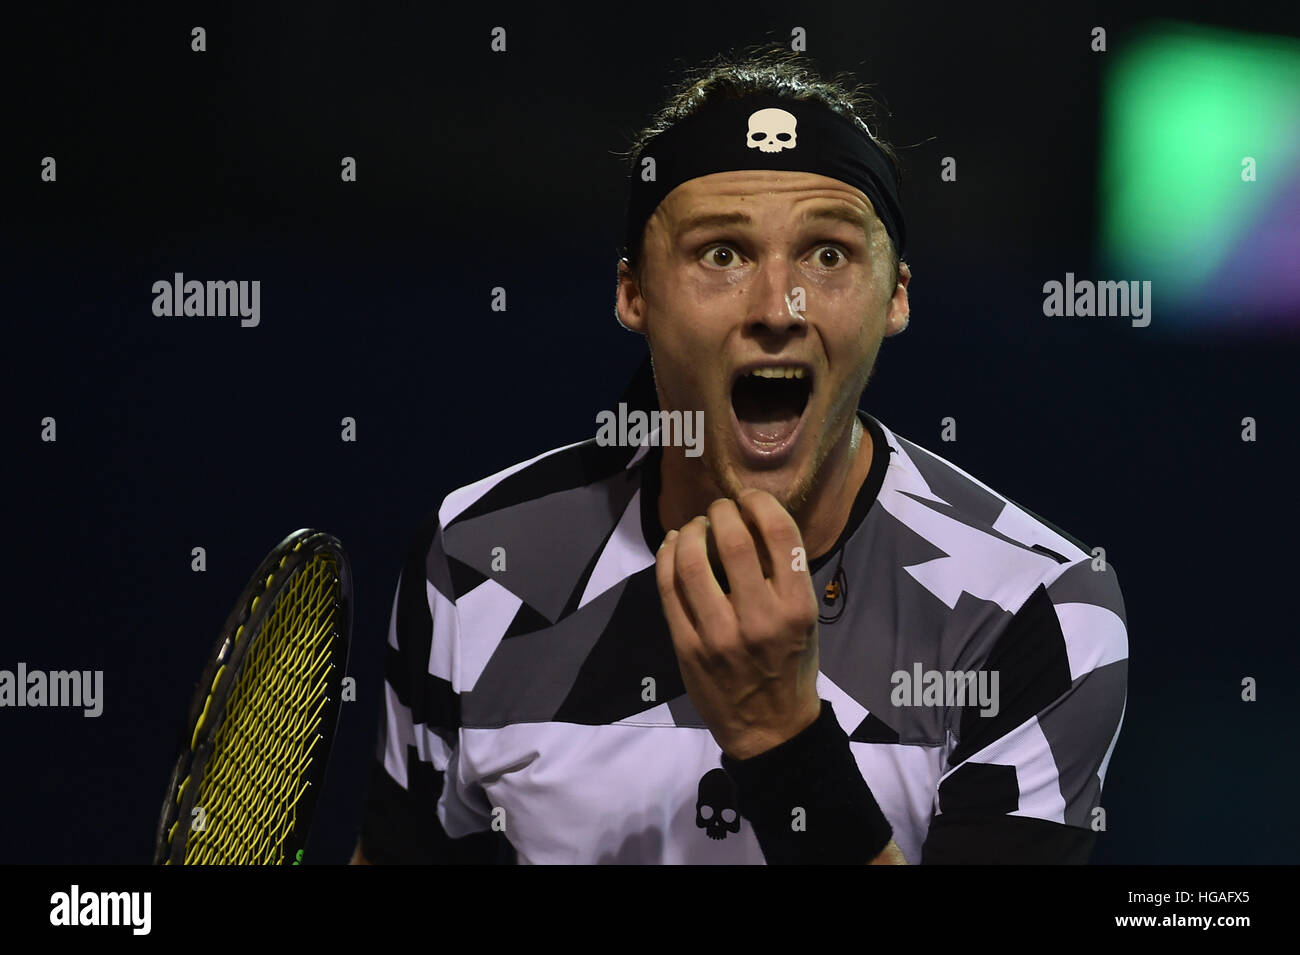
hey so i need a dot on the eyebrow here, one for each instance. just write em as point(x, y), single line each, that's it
point(714, 219)
point(841, 214)
point(708, 220)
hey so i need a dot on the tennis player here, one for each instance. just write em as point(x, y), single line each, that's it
point(804, 639)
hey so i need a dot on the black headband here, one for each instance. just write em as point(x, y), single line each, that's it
point(764, 132)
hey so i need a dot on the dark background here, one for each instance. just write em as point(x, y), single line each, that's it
point(479, 169)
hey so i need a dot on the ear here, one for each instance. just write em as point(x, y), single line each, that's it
point(629, 304)
point(897, 317)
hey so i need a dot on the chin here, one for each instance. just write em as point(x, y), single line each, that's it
point(789, 485)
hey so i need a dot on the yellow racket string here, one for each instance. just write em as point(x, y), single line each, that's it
point(254, 778)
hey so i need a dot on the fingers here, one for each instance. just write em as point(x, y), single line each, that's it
point(739, 556)
point(702, 595)
point(760, 549)
point(680, 624)
point(778, 531)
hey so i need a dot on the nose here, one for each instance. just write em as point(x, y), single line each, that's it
point(778, 302)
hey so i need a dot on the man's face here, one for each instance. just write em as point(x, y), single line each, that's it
point(726, 261)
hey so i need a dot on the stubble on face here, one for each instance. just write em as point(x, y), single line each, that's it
point(841, 342)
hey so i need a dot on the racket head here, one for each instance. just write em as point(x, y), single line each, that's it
point(256, 739)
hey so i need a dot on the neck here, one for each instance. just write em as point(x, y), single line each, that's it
point(687, 491)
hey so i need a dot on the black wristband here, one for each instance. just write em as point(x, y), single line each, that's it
point(840, 823)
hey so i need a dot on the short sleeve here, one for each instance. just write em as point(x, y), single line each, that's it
point(417, 808)
point(1023, 780)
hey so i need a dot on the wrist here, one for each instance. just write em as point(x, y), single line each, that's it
point(806, 798)
point(756, 742)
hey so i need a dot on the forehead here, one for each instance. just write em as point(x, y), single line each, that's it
point(760, 191)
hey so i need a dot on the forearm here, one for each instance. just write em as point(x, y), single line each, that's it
point(890, 855)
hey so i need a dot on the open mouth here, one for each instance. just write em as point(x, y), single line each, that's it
point(769, 403)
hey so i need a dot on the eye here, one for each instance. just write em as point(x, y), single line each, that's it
point(830, 256)
point(720, 256)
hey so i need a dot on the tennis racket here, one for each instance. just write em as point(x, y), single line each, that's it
point(254, 745)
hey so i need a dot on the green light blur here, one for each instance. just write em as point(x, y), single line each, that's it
point(1181, 108)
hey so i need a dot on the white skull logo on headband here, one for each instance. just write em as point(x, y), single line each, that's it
point(771, 130)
